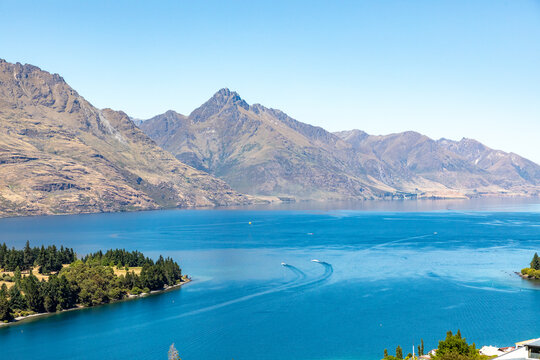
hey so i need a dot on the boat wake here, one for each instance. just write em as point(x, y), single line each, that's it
point(382, 245)
point(295, 284)
point(300, 275)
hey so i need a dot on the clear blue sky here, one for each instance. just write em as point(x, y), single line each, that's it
point(444, 68)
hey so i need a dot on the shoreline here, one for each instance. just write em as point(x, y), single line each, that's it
point(388, 199)
point(527, 277)
point(22, 319)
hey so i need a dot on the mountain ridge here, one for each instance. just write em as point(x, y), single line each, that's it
point(59, 154)
point(296, 159)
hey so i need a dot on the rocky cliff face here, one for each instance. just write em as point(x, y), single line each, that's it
point(59, 154)
point(263, 151)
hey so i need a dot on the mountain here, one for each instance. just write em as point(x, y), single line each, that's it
point(259, 150)
point(464, 167)
point(263, 151)
point(59, 154)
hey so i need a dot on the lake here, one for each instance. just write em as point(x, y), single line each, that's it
point(387, 274)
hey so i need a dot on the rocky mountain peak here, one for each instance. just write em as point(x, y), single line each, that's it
point(27, 84)
point(173, 115)
point(27, 72)
point(222, 99)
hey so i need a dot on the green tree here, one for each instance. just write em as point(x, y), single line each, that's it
point(455, 347)
point(399, 352)
point(421, 352)
point(3, 290)
point(385, 353)
point(94, 282)
point(535, 263)
point(5, 309)
point(17, 275)
point(16, 299)
point(3, 255)
point(28, 258)
point(31, 287)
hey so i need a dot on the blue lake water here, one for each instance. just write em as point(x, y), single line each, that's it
point(385, 278)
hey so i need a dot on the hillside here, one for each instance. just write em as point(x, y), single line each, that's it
point(464, 167)
point(59, 154)
point(262, 151)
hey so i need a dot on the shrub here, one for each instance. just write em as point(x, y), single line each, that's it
point(116, 293)
point(135, 291)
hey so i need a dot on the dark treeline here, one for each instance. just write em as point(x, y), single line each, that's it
point(47, 258)
point(86, 282)
point(118, 258)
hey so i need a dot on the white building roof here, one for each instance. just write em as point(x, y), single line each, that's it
point(490, 350)
point(518, 354)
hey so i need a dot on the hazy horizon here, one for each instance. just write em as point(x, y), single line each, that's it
point(450, 69)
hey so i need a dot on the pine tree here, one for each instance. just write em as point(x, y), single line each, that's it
point(421, 352)
point(458, 334)
point(535, 263)
point(3, 255)
point(16, 299)
point(173, 353)
point(399, 352)
point(31, 287)
point(5, 309)
point(28, 259)
point(385, 353)
point(17, 276)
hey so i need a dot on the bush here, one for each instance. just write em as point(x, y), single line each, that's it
point(455, 347)
point(135, 291)
point(116, 293)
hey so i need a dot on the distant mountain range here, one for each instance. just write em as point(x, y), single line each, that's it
point(59, 155)
point(262, 151)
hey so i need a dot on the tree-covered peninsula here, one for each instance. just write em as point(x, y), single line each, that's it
point(532, 272)
point(47, 279)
